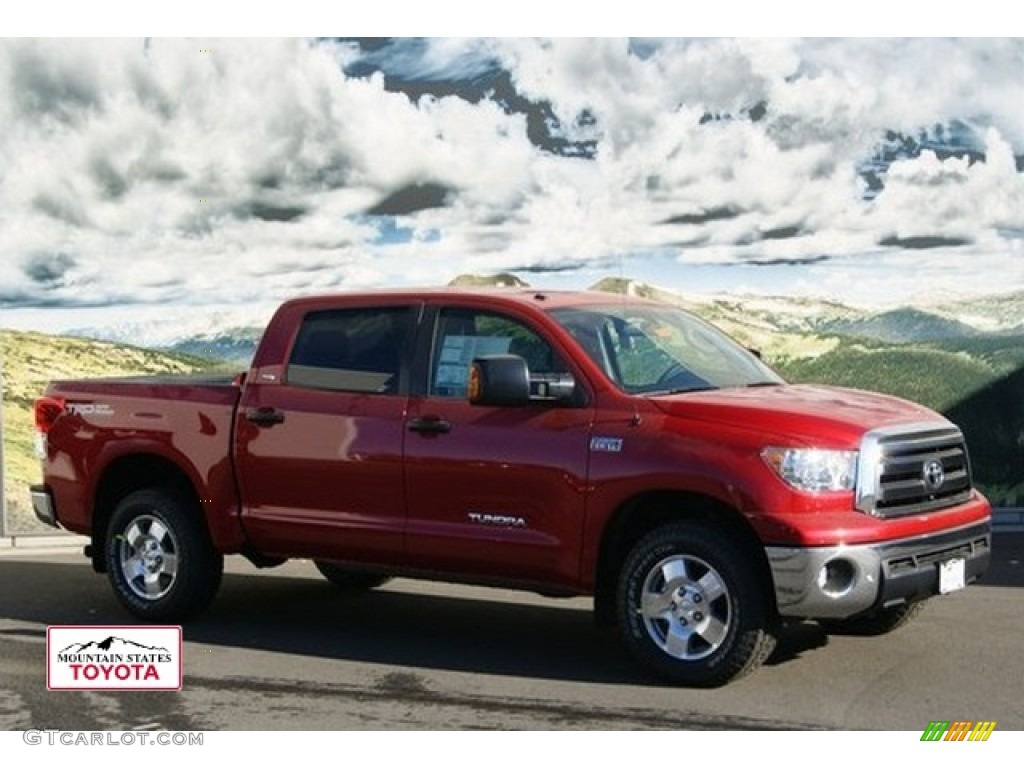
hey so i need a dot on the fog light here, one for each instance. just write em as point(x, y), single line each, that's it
point(837, 577)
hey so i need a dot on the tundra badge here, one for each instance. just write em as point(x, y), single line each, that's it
point(606, 444)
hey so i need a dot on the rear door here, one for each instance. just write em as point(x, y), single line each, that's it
point(494, 492)
point(319, 446)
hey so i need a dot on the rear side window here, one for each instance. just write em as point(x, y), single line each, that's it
point(351, 350)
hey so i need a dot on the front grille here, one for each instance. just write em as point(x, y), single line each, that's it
point(910, 470)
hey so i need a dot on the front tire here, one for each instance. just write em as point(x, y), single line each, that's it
point(690, 607)
point(159, 557)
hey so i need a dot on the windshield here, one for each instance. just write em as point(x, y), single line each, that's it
point(652, 350)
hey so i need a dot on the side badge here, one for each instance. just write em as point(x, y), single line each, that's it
point(606, 444)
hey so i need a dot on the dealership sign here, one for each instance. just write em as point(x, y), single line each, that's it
point(100, 658)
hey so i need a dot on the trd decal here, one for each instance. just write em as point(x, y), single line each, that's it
point(90, 409)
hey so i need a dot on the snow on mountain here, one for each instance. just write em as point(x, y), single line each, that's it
point(170, 327)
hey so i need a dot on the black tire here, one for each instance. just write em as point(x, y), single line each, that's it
point(348, 579)
point(690, 607)
point(879, 622)
point(159, 557)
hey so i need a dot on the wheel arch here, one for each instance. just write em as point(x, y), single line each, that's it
point(125, 475)
point(651, 510)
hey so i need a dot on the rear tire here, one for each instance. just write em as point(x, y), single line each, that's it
point(159, 557)
point(345, 578)
point(690, 607)
point(880, 622)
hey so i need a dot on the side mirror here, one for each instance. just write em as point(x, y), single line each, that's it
point(499, 380)
point(506, 380)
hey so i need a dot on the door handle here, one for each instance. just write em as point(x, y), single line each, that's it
point(430, 425)
point(265, 416)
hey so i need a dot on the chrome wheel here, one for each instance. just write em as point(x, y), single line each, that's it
point(148, 557)
point(685, 607)
point(159, 556)
point(692, 606)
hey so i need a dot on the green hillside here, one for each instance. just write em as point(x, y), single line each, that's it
point(1004, 353)
point(901, 326)
point(27, 362)
point(932, 377)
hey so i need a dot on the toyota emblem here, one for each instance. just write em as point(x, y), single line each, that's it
point(934, 475)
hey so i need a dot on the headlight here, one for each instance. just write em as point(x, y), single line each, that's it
point(811, 469)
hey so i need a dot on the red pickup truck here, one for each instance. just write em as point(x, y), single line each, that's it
point(570, 443)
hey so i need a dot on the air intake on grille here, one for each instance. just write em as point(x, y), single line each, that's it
point(910, 469)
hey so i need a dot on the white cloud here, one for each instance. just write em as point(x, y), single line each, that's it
point(223, 171)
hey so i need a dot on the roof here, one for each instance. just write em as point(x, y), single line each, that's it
point(537, 298)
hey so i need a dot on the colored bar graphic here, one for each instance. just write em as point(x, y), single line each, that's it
point(958, 730)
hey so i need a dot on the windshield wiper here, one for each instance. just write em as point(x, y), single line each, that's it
point(677, 391)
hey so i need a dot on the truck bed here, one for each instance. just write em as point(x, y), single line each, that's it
point(180, 421)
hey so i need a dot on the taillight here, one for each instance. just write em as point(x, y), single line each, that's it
point(47, 411)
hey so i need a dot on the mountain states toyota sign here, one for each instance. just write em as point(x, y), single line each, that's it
point(113, 658)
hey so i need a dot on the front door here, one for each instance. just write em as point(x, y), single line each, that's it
point(494, 492)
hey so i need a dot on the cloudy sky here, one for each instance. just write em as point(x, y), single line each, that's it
point(155, 177)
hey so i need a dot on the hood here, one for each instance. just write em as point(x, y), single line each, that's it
point(806, 413)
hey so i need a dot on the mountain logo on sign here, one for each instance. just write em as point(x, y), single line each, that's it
point(106, 646)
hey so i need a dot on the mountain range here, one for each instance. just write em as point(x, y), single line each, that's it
point(790, 327)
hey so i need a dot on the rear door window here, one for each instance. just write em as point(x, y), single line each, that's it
point(351, 350)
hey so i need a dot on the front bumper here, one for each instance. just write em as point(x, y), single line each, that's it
point(43, 505)
point(863, 577)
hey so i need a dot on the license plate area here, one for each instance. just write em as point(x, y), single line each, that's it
point(952, 575)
